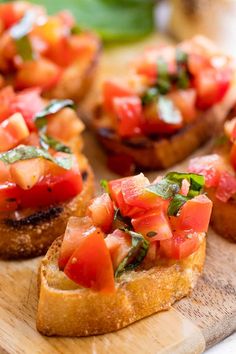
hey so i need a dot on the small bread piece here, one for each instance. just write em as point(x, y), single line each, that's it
point(32, 235)
point(222, 217)
point(65, 309)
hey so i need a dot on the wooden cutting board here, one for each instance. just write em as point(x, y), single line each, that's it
point(196, 322)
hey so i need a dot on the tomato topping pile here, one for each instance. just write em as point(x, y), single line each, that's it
point(135, 222)
point(38, 48)
point(167, 90)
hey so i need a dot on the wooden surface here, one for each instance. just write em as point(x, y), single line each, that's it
point(200, 320)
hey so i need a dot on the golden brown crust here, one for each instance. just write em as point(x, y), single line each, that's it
point(66, 310)
point(164, 152)
point(222, 217)
point(33, 236)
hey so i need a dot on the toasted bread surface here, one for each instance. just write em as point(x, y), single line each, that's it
point(66, 310)
point(32, 235)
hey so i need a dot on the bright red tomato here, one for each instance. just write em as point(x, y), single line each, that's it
point(48, 191)
point(185, 101)
point(101, 211)
point(112, 90)
point(7, 95)
point(180, 246)
point(128, 111)
point(9, 15)
point(154, 223)
point(121, 164)
point(208, 166)
point(75, 229)
point(90, 264)
point(119, 244)
point(195, 214)
point(197, 63)
point(211, 85)
point(226, 187)
point(12, 131)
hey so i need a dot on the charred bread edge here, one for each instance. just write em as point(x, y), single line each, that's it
point(33, 235)
point(82, 312)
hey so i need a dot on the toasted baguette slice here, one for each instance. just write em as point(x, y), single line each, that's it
point(32, 235)
point(66, 310)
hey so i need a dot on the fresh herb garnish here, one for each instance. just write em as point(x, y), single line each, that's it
point(104, 185)
point(53, 107)
point(164, 188)
point(48, 142)
point(182, 77)
point(150, 95)
point(196, 181)
point(139, 248)
point(181, 57)
point(24, 152)
point(176, 203)
point(121, 221)
point(163, 80)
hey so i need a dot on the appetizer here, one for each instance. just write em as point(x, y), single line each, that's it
point(140, 248)
point(43, 181)
point(219, 170)
point(167, 106)
point(50, 52)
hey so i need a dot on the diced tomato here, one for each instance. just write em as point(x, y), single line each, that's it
point(101, 211)
point(153, 225)
point(121, 164)
point(90, 264)
point(66, 18)
point(226, 187)
point(197, 63)
point(195, 214)
point(4, 172)
point(185, 187)
point(208, 166)
point(75, 231)
point(180, 246)
point(9, 14)
point(6, 97)
point(185, 101)
point(48, 191)
point(112, 90)
point(128, 111)
point(119, 244)
point(41, 73)
point(12, 131)
point(211, 85)
point(230, 129)
point(27, 173)
point(152, 252)
point(50, 31)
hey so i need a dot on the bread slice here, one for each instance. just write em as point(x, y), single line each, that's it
point(32, 235)
point(68, 310)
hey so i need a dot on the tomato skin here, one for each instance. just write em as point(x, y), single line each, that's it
point(112, 90)
point(208, 166)
point(6, 97)
point(128, 111)
point(74, 232)
point(101, 211)
point(211, 85)
point(180, 246)
point(226, 187)
point(195, 214)
point(185, 101)
point(119, 244)
point(50, 190)
point(90, 264)
point(9, 15)
point(153, 221)
point(197, 63)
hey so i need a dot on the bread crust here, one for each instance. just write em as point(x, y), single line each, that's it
point(163, 152)
point(33, 235)
point(222, 217)
point(66, 310)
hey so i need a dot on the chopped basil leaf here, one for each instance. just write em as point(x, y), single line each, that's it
point(181, 56)
point(176, 203)
point(76, 29)
point(168, 113)
point(104, 185)
point(24, 48)
point(196, 181)
point(48, 142)
point(151, 233)
point(182, 79)
point(150, 95)
point(24, 152)
point(164, 188)
point(53, 107)
point(121, 221)
point(163, 79)
point(139, 248)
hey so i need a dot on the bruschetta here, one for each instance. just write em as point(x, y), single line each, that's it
point(43, 181)
point(171, 102)
point(140, 248)
point(219, 171)
point(50, 52)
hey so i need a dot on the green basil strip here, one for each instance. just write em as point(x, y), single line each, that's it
point(48, 142)
point(182, 79)
point(24, 152)
point(181, 57)
point(104, 185)
point(168, 112)
point(139, 248)
point(53, 107)
point(176, 203)
point(163, 79)
point(164, 188)
point(196, 181)
point(150, 95)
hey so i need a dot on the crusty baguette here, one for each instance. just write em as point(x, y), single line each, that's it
point(222, 217)
point(66, 310)
point(32, 235)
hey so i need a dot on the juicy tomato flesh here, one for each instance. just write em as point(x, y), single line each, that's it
point(118, 244)
point(101, 211)
point(48, 191)
point(90, 264)
point(113, 90)
point(12, 131)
